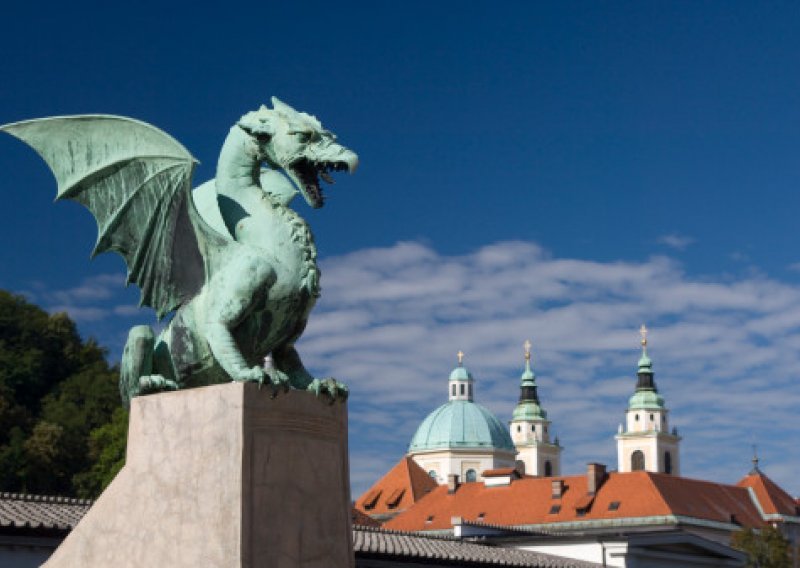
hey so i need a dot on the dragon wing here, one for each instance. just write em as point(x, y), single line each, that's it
point(136, 181)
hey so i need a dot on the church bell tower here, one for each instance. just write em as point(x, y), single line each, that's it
point(530, 428)
point(645, 442)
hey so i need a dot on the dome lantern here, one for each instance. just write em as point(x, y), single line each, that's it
point(460, 384)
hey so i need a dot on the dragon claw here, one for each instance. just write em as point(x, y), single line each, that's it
point(155, 383)
point(329, 387)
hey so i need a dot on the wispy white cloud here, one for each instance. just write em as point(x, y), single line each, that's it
point(675, 240)
point(726, 352)
point(390, 321)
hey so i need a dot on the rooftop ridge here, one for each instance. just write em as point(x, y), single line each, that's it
point(418, 534)
point(33, 498)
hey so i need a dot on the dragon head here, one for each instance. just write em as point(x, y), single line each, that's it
point(296, 143)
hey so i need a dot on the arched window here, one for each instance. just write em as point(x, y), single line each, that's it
point(533, 427)
point(651, 417)
point(548, 469)
point(667, 462)
point(636, 417)
point(469, 389)
point(519, 428)
point(454, 390)
point(637, 460)
point(470, 475)
point(462, 389)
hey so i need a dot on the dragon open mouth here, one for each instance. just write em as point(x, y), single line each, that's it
point(306, 175)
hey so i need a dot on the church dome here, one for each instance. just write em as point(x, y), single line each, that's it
point(461, 424)
point(461, 373)
point(646, 400)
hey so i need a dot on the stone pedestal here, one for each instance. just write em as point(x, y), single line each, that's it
point(223, 476)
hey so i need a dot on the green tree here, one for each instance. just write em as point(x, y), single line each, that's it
point(56, 390)
point(107, 445)
point(766, 548)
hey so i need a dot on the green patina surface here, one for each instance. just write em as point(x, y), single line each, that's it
point(461, 374)
point(233, 262)
point(529, 410)
point(646, 400)
point(461, 424)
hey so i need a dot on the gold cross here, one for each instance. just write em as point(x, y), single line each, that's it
point(527, 346)
point(643, 331)
point(460, 357)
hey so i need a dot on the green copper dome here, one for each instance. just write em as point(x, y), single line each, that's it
point(646, 400)
point(461, 374)
point(461, 424)
point(529, 410)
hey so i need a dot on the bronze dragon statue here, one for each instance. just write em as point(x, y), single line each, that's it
point(230, 260)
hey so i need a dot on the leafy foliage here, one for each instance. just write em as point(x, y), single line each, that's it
point(61, 429)
point(767, 548)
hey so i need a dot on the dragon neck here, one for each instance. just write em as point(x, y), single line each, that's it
point(239, 163)
point(238, 177)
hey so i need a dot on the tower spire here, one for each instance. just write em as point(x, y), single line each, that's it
point(528, 378)
point(645, 372)
point(755, 469)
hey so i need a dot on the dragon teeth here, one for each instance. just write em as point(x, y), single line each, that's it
point(326, 176)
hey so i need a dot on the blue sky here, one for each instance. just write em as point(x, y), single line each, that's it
point(561, 172)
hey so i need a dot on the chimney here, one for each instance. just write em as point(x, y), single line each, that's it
point(452, 483)
point(595, 476)
point(558, 488)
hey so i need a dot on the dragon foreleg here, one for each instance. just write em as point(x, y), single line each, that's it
point(136, 371)
point(286, 360)
point(231, 295)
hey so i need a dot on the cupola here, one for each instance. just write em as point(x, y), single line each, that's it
point(460, 383)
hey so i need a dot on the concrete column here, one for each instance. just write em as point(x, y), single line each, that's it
point(224, 476)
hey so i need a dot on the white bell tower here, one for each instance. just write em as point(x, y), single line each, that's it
point(645, 442)
point(530, 428)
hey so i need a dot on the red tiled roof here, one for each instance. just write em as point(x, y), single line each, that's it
point(528, 501)
point(361, 519)
point(584, 502)
point(396, 491)
point(772, 498)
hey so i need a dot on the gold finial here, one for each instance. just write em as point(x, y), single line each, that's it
point(527, 346)
point(643, 331)
point(460, 357)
